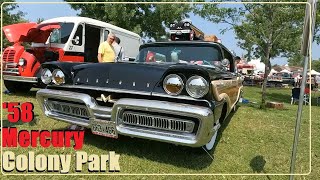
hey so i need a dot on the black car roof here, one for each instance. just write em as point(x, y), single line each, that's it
point(180, 42)
point(184, 42)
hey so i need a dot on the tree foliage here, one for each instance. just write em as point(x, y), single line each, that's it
point(267, 30)
point(148, 20)
point(316, 65)
point(10, 16)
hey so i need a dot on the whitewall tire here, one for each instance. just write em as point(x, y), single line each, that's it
point(209, 146)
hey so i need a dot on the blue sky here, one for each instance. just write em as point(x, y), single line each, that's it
point(47, 11)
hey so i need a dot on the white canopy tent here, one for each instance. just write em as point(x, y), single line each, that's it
point(273, 71)
point(285, 71)
point(313, 72)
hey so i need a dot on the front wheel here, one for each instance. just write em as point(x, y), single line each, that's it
point(20, 87)
point(209, 146)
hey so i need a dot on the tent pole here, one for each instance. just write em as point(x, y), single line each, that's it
point(306, 41)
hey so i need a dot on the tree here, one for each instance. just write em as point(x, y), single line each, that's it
point(148, 20)
point(39, 20)
point(270, 30)
point(9, 17)
point(296, 59)
point(316, 65)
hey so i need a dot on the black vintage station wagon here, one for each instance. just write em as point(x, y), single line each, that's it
point(178, 92)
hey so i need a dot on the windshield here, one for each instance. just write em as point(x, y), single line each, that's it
point(61, 35)
point(190, 54)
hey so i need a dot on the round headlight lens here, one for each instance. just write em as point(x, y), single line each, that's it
point(173, 84)
point(197, 86)
point(46, 76)
point(58, 77)
point(22, 62)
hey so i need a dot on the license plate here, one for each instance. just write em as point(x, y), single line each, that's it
point(104, 128)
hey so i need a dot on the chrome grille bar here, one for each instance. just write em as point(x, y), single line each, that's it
point(157, 122)
point(68, 108)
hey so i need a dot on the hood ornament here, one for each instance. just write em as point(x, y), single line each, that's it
point(107, 99)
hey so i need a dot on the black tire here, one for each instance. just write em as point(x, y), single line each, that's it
point(17, 87)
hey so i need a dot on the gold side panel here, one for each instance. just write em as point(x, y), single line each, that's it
point(228, 90)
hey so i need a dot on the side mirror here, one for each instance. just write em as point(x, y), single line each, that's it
point(76, 40)
point(225, 62)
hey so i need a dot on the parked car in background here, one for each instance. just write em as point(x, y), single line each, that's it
point(177, 92)
point(64, 39)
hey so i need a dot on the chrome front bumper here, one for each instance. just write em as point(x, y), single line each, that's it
point(83, 110)
point(20, 78)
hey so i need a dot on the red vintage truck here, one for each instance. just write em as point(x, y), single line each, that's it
point(68, 39)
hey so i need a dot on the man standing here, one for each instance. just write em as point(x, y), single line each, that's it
point(106, 51)
point(119, 52)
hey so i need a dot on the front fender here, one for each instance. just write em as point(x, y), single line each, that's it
point(32, 66)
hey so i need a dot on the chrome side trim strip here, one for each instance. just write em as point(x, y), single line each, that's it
point(20, 78)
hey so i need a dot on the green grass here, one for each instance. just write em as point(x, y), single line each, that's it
point(251, 141)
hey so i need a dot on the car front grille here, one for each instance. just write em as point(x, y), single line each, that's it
point(157, 122)
point(68, 108)
point(8, 55)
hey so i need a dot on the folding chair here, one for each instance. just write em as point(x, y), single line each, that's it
point(295, 93)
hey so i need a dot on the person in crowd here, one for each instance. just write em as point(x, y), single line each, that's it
point(237, 60)
point(299, 80)
point(317, 83)
point(119, 51)
point(296, 80)
point(106, 51)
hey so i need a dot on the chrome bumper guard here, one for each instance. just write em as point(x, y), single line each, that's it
point(20, 78)
point(148, 119)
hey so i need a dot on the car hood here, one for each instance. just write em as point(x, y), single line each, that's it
point(131, 76)
point(29, 32)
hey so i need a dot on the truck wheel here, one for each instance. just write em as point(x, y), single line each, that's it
point(209, 146)
point(14, 86)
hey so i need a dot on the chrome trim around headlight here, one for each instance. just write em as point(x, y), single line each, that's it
point(58, 77)
point(198, 82)
point(46, 76)
point(173, 80)
point(22, 62)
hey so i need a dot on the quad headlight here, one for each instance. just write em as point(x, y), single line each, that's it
point(197, 86)
point(173, 84)
point(46, 76)
point(58, 77)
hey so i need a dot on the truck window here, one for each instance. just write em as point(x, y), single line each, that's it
point(61, 35)
point(229, 56)
point(77, 39)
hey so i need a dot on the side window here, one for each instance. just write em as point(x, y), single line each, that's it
point(229, 56)
point(55, 36)
point(77, 39)
point(106, 32)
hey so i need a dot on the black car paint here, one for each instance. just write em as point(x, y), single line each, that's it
point(133, 76)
